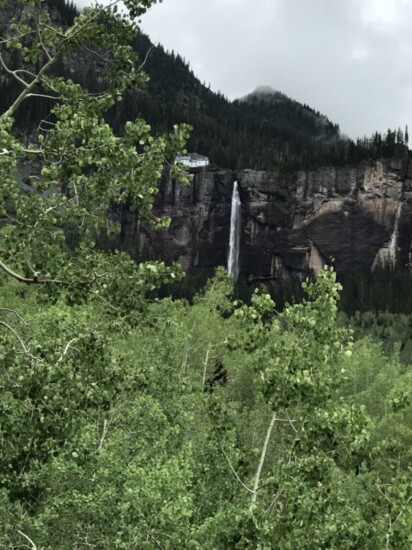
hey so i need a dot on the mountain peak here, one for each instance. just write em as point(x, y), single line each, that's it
point(267, 90)
point(266, 93)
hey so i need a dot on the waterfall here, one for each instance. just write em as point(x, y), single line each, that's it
point(234, 243)
point(393, 243)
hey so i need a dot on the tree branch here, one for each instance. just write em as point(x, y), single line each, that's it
point(157, 543)
point(29, 87)
point(69, 36)
point(46, 51)
point(105, 427)
point(275, 499)
point(233, 470)
point(16, 276)
point(37, 281)
point(17, 36)
point(205, 365)
point(22, 344)
point(33, 546)
point(71, 33)
point(43, 96)
point(13, 73)
point(262, 460)
point(66, 349)
point(25, 71)
point(15, 313)
point(224, 453)
point(146, 58)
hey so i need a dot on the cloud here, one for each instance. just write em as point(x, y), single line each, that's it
point(360, 53)
point(349, 59)
point(386, 16)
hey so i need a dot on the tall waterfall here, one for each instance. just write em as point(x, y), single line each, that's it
point(234, 244)
point(393, 243)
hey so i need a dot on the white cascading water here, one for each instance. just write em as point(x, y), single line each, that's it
point(393, 243)
point(234, 242)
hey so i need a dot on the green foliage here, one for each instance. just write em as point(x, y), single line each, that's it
point(391, 329)
point(103, 418)
point(129, 421)
point(85, 166)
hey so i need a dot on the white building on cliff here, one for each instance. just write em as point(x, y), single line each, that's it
point(193, 160)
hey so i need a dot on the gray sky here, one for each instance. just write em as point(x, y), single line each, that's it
point(349, 59)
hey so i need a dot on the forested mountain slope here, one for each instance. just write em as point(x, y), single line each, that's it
point(265, 130)
point(256, 132)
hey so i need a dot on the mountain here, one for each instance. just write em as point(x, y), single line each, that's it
point(261, 131)
point(276, 103)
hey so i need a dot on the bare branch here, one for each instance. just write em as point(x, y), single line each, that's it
point(16, 37)
point(185, 358)
point(34, 227)
point(401, 513)
point(146, 58)
point(401, 510)
point(262, 459)
point(37, 281)
point(154, 540)
point(15, 275)
point(224, 453)
point(205, 365)
point(233, 470)
point(25, 71)
point(95, 293)
point(66, 349)
point(26, 351)
point(14, 312)
point(46, 51)
point(33, 546)
point(105, 427)
point(275, 499)
point(22, 344)
point(29, 87)
point(42, 96)
point(97, 54)
point(291, 422)
point(54, 30)
point(34, 272)
point(13, 73)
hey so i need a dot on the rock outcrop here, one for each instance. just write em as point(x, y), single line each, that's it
point(359, 216)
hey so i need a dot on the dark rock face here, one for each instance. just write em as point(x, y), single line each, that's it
point(361, 216)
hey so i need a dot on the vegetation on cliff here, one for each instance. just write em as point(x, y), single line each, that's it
point(133, 422)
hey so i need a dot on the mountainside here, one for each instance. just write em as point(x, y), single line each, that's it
point(254, 132)
point(265, 130)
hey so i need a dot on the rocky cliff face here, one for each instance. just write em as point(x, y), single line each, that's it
point(360, 216)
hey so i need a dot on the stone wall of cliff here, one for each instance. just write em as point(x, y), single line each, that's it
point(360, 216)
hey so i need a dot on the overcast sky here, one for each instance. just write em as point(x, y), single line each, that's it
point(349, 59)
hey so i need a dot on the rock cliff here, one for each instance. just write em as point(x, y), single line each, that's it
point(360, 216)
